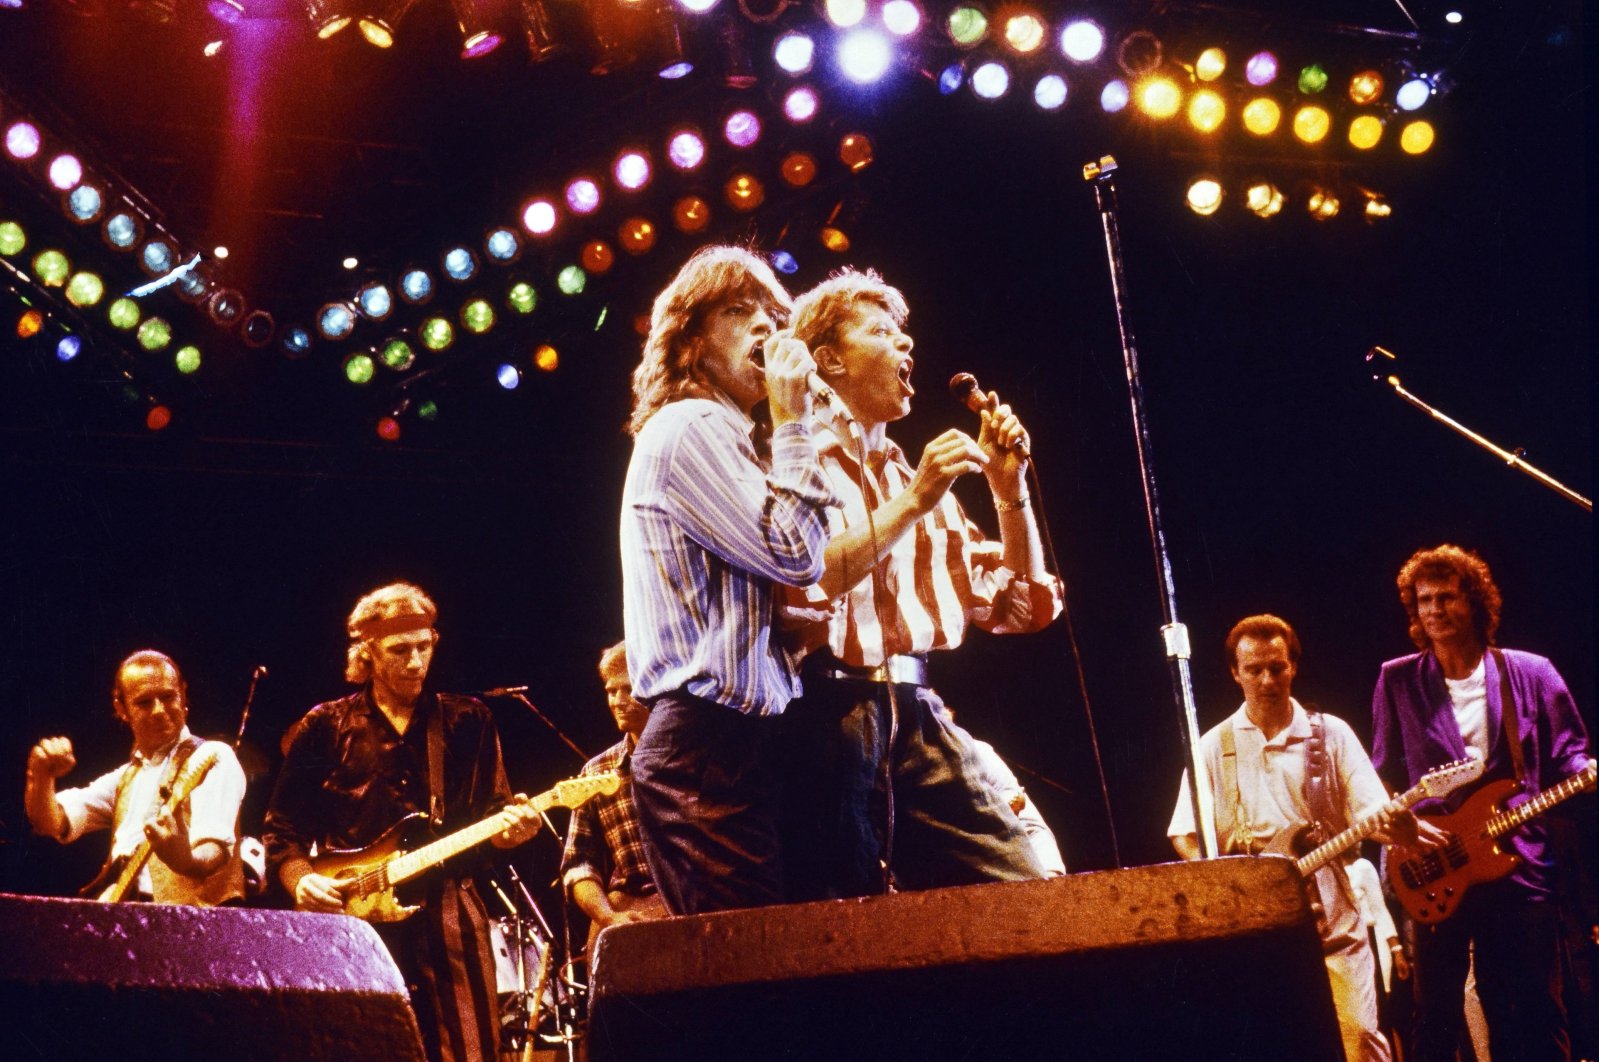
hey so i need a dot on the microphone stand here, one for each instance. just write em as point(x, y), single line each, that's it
point(547, 721)
point(1174, 634)
point(1514, 460)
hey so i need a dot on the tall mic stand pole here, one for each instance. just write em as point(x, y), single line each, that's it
point(1174, 634)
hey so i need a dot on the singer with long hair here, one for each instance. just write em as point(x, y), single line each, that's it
point(905, 573)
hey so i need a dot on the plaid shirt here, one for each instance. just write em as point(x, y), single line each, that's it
point(603, 842)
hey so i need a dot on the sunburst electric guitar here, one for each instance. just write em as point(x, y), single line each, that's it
point(127, 867)
point(1431, 885)
point(368, 876)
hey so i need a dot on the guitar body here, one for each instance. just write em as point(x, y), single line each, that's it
point(1431, 886)
point(362, 874)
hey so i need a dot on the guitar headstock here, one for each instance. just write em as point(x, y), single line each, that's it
point(579, 790)
point(1441, 781)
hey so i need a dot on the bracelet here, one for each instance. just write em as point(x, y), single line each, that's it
point(1002, 506)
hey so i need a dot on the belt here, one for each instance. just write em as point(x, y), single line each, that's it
point(901, 670)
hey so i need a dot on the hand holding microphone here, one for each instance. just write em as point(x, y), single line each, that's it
point(1007, 432)
point(782, 356)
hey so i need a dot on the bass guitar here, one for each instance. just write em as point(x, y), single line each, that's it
point(368, 876)
point(127, 868)
point(1431, 885)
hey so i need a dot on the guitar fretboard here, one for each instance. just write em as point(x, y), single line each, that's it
point(1317, 857)
point(1506, 821)
point(402, 868)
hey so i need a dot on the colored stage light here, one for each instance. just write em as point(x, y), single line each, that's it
point(855, 151)
point(1082, 40)
point(1365, 87)
point(967, 25)
point(1024, 32)
point(296, 342)
point(901, 17)
point(951, 78)
point(686, 150)
point(845, 13)
point(1322, 204)
point(1377, 207)
point(1262, 115)
point(122, 230)
point(1263, 199)
point(742, 129)
point(1312, 79)
point(1416, 137)
point(522, 297)
point(156, 258)
point(1114, 96)
point(30, 324)
point(784, 263)
point(159, 418)
point(327, 17)
point(69, 348)
point(800, 104)
point(597, 257)
point(1211, 64)
point(546, 358)
point(571, 280)
point(503, 245)
point(794, 53)
point(583, 196)
point(229, 11)
point(154, 334)
point(427, 410)
point(477, 316)
point(22, 140)
point(691, 213)
point(991, 80)
point(123, 314)
point(12, 238)
point(1050, 92)
point(257, 328)
point(1365, 132)
point(193, 286)
point(1204, 196)
point(478, 35)
point(864, 56)
point(336, 320)
point(798, 169)
point(538, 217)
point(85, 289)
point(85, 203)
point(744, 192)
point(436, 333)
point(1311, 124)
point(1206, 111)
point(1159, 98)
point(834, 239)
point(636, 235)
point(226, 306)
point(187, 359)
point(51, 268)
point(65, 172)
point(460, 264)
point(508, 376)
point(1413, 94)
point(388, 429)
point(359, 368)
point(631, 170)
point(416, 286)
point(1261, 69)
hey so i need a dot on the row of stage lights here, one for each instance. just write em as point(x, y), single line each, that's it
point(1263, 199)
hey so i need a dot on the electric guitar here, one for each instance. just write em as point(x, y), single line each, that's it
point(126, 868)
point(1440, 781)
point(368, 876)
point(1431, 885)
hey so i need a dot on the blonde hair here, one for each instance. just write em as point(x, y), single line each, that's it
point(613, 661)
point(822, 311)
point(668, 369)
point(386, 602)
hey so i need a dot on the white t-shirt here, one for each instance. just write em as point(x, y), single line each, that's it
point(1470, 698)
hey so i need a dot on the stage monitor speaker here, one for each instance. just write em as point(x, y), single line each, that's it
point(83, 980)
point(1211, 960)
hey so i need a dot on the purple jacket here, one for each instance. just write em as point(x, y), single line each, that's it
point(1414, 730)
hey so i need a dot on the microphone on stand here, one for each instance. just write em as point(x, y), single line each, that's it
point(499, 691)
point(963, 388)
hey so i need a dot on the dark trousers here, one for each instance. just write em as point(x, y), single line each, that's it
point(445, 954)
point(1518, 947)
point(949, 829)
point(707, 802)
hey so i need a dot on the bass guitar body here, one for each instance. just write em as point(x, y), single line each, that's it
point(1430, 886)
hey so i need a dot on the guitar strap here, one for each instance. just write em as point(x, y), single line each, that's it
point(1228, 796)
point(119, 806)
point(436, 763)
point(1507, 711)
point(1318, 779)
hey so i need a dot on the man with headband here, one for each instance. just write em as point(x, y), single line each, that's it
point(356, 766)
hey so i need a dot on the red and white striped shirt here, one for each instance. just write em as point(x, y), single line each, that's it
point(941, 575)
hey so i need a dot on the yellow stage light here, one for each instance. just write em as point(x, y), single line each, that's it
point(1204, 196)
point(1365, 131)
point(1159, 98)
point(1261, 116)
point(1206, 111)
point(1416, 137)
point(1210, 65)
point(1263, 199)
point(1322, 205)
point(1311, 124)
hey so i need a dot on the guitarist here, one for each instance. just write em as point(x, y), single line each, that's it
point(356, 766)
point(1264, 790)
point(1432, 706)
point(194, 856)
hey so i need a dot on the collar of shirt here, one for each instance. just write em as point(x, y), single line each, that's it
point(164, 754)
point(1298, 729)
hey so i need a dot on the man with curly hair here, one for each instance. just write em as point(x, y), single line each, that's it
point(1460, 692)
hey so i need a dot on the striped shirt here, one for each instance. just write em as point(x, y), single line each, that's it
point(603, 843)
point(707, 534)
point(937, 578)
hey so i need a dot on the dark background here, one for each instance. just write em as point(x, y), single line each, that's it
point(1290, 482)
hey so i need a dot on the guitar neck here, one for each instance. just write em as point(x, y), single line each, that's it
point(1325, 852)
point(1506, 821)
point(402, 868)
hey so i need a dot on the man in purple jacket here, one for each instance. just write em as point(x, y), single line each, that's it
point(1440, 705)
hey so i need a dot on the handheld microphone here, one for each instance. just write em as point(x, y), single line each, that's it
point(820, 391)
point(963, 388)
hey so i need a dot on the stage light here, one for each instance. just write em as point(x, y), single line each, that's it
point(1261, 70)
point(522, 297)
point(691, 213)
point(1365, 87)
point(226, 306)
point(12, 238)
point(784, 263)
point(193, 286)
point(631, 170)
point(374, 300)
point(416, 286)
point(378, 28)
point(539, 28)
point(157, 258)
point(1311, 124)
point(744, 192)
point(359, 369)
point(1139, 54)
point(427, 410)
point(1211, 64)
point(327, 17)
point(855, 151)
point(477, 316)
point(951, 78)
point(1050, 92)
point(1204, 196)
point(388, 429)
point(1082, 40)
point(538, 217)
point(478, 36)
point(158, 418)
point(597, 257)
point(296, 342)
point(571, 280)
point(636, 235)
point(65, 172)
point(1322, 204)
point(967, 25)
point(350, 262)
point(1024, 32)
point(503, 245)
point(686, 149)
point(436, 333)
point(845, 13)
point(1413, 94)
point(901, 17)
point(1312, 79)
point(51, 268)
point(154, 334)
point(22, 140)
point(460, 264)
point(336, 320)
point(187, 359)
point(666, 48)
point(508, 376)
point(85, 203)
point(699, 7)
point(212, 49)
point(1159, 98)
point(742, 129)
point(800, 104)
point(864, 56)
point(1377, 207)
point(257, 328)
point(583, 196)
point(1206, 111)
point(1453, 17)
point(85, 289)
point(124, 314)
point(794, 52)
point(1114, 96)
point(1365, 132)
point(1261, 116)
point(798, 169)
point(1416, 137)
point(398, 355)
point(68, 348)
point(122, 230)
point(30, 324)
point(546, 358)
point(219, 252)
point(834, 239)
point(991, 80)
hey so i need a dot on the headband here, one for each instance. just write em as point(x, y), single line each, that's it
point(383, 626)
